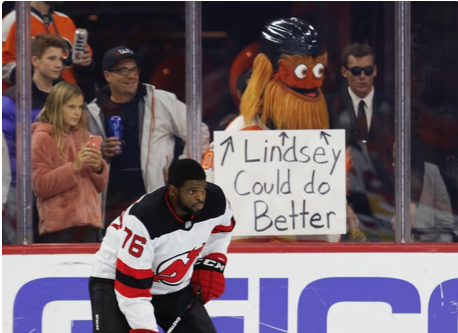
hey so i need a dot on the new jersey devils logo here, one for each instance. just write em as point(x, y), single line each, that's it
point(173, 270)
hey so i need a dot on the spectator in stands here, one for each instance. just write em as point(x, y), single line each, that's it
point(6, 171)
point(8, 232)
point(431, 218)
point(44, 19)
point(47, 56)
point(151, 120)
point(67, 174)
point(242, 83)
point(367, 116)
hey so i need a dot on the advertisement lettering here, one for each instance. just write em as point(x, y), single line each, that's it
point(312, 308)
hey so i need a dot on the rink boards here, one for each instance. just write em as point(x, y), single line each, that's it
point(276, 288)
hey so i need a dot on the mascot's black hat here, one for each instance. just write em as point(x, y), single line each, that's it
point(289, 36)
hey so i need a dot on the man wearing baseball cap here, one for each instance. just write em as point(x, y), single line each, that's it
point(151, 119)
point(120, 68)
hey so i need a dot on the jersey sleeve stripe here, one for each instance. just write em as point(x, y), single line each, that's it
point(135, 273)
point(133, 282)
point(224, 228)
point(130, 292)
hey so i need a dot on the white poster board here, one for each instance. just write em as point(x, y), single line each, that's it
point(283, 182)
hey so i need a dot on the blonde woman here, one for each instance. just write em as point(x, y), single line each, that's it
point(67, 174)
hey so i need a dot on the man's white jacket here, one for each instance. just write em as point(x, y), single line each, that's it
point(162, 117)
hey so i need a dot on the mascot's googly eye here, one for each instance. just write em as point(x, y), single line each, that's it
point(301, 71)
point(318, 70)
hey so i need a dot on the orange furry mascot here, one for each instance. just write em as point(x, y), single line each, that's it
point(284, 91)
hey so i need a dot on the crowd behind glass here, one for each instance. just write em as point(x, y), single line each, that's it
point(360, 56)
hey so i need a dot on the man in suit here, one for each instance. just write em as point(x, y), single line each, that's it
point(367, 116)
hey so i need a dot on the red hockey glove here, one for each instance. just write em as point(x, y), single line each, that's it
point(208, 276)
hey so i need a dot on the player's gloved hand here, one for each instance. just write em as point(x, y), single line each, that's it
point(208, 278)
point(141, 330)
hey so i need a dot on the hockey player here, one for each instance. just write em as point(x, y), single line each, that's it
point(165, 248)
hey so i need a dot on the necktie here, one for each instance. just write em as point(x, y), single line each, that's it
point(362, 122)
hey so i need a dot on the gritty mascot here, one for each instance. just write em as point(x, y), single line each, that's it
point(284, 90)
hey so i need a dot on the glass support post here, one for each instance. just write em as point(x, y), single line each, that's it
point(194, 79)
point(23, 123)
point(403, 117)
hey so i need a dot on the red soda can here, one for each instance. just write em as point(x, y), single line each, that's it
point(79, 44)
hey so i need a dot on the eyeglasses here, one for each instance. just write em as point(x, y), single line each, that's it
point(126, 71)
point(356, 71)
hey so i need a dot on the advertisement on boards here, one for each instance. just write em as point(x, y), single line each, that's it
point(265, 293)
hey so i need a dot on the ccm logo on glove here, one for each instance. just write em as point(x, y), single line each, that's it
point(210, 264)
point(208, 278)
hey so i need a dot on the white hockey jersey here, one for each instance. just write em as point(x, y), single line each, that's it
point(149, 250)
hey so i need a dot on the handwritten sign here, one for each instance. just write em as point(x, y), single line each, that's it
point(283, 182)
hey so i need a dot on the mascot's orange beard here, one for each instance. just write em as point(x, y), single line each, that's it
point(287, 109)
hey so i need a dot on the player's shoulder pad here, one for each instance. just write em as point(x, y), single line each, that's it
point(148, 204)
point(152, 211)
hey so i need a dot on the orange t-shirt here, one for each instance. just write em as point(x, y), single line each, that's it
point(62, 26)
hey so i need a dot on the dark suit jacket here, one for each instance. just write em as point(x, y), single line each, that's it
point(342, 116)
point(379, 144)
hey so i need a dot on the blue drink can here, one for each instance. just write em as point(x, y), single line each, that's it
point(115, 128)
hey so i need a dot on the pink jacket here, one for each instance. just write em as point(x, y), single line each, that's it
point(65, 198)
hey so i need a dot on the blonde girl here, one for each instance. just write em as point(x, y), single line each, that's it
point(67, 174)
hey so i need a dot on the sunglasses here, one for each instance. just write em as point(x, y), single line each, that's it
point(356, 71)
